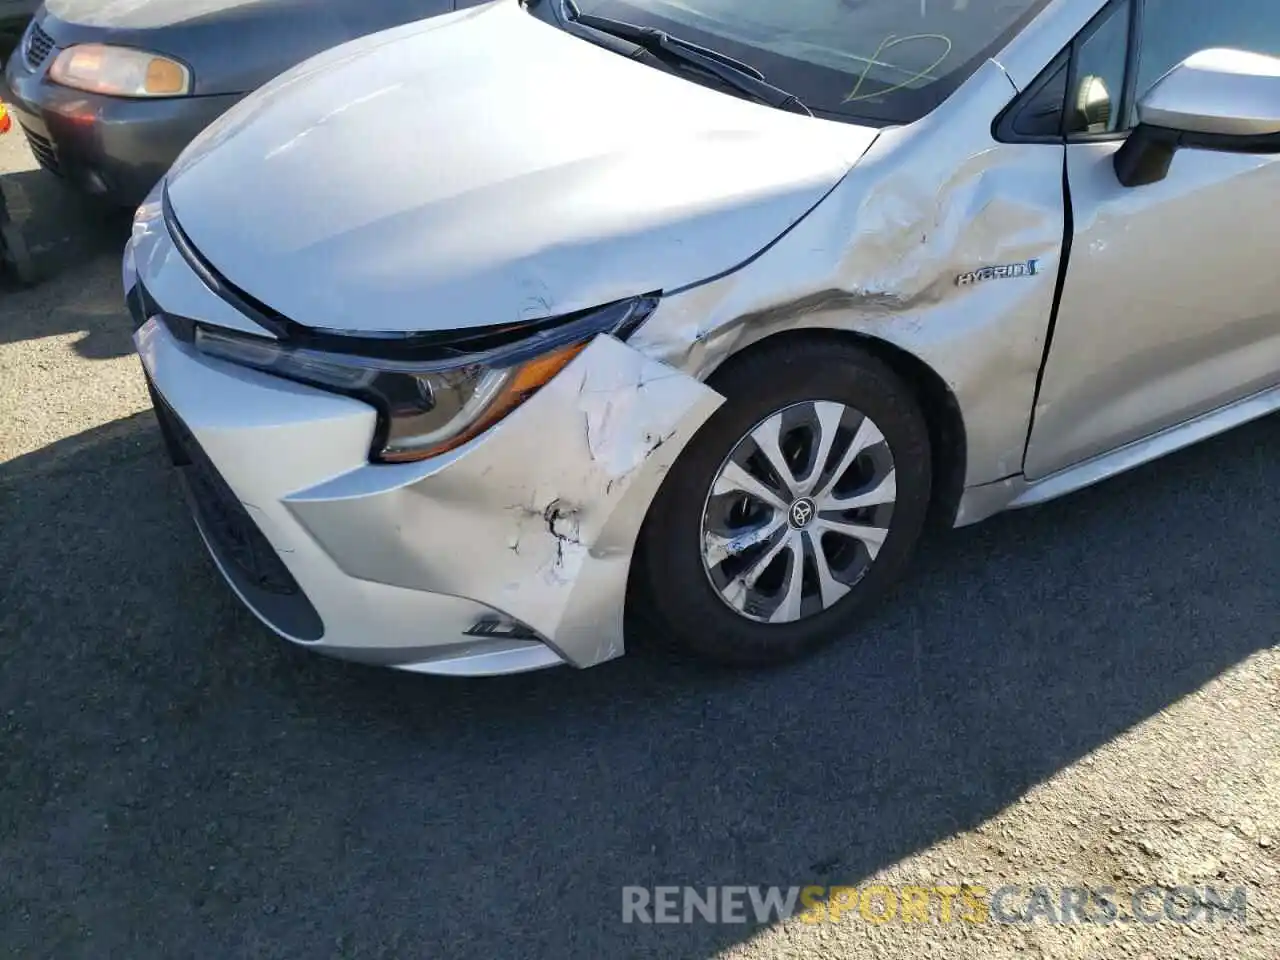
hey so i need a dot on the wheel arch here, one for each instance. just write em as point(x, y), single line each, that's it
point(947, 434)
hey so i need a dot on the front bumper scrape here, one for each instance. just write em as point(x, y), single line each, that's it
point(538, 518)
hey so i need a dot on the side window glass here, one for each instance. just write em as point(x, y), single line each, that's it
point(1173, 30)
point(1097, 77)
point(1041, 114)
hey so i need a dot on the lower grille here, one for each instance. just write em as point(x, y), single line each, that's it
point(43, 150)
point(246, 557)
point(225, 518)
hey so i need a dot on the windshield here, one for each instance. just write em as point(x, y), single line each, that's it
point(886, 61)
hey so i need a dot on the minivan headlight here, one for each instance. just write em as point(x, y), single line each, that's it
point(120, 72)
point(429, 407)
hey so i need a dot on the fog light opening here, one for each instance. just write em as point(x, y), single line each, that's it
point(501, 628)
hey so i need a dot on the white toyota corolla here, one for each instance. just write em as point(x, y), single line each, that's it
point(470, 335)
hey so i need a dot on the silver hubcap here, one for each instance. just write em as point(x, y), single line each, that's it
point(798, 512)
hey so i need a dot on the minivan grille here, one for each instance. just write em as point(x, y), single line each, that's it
point(43, 150)
point(38, 47)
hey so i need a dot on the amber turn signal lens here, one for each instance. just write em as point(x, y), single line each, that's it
point(527, 380)
point(165, 78)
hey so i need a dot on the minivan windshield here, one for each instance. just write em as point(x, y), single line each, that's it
point(884, 61)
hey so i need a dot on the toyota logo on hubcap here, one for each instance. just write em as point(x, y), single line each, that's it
point(801, 513)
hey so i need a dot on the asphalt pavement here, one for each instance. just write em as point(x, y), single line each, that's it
point(1088, 691)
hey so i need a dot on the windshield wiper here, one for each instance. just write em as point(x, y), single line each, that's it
point(732, 72)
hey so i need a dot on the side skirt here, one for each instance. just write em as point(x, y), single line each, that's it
point(979, 503)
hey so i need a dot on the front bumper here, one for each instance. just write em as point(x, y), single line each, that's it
point(110, 147)
point(529, 528)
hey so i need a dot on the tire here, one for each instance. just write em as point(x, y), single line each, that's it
point(698, 602)
point(14, 253)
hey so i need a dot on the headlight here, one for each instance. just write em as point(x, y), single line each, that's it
point(120, 72)
point(429, 407)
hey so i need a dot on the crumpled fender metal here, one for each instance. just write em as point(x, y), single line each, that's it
point(538, 518)
point(881, 258)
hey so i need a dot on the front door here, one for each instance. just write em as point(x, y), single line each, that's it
point(1171, 301)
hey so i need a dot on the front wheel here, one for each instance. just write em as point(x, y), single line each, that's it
point(798, 503)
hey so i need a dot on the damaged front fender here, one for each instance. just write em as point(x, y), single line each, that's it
point(539, 517)
point(885, 259)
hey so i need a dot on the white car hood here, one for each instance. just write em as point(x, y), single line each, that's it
point(485, 167)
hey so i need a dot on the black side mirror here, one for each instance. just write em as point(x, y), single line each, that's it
point(1219, 99)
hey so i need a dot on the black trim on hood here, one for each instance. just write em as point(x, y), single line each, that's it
point(390, 345)
point(257, 311)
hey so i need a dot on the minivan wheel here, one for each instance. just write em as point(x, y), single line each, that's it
point(798, 503)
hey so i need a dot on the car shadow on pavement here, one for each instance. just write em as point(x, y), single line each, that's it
point(177, 777)
point(74, 245)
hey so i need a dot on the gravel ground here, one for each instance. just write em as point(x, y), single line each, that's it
point(1087, 693)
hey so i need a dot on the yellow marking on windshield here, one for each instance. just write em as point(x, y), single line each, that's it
point(888, 43)
point(868, 63)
